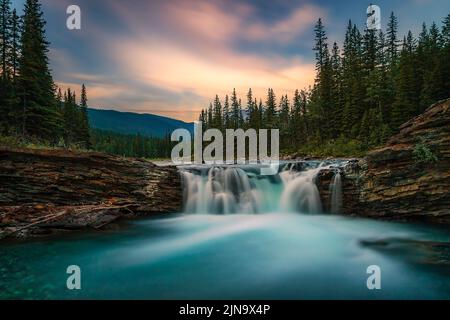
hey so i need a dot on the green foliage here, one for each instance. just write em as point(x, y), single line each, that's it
point(423, 154)
point(361, 95)
point(341, 147)
point(30, 110)
point(131, 145)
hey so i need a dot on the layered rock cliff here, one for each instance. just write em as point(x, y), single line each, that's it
point(46, 190)
point(409, 178)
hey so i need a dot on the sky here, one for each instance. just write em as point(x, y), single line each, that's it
point(171, 57)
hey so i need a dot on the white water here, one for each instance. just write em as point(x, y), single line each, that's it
point(336, 193)
point(241, 189)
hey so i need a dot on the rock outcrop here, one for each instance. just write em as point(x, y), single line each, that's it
point(398, 181)
point(46, 190)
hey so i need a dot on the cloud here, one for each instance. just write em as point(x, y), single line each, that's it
point(172, 57)
point(165, 65)
point(300, 20)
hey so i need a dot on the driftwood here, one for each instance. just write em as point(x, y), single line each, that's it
point(69, 210)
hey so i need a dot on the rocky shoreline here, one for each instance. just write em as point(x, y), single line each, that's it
point(392, 183)
point(51, 191)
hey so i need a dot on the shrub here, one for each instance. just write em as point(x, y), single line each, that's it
point(422, 154)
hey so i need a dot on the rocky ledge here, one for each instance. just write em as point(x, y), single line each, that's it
point(47, 191)
point(407, 179)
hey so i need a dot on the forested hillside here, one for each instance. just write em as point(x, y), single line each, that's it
point(135, 123)
point(35, 112)
point(362, 92)
point(31, 106)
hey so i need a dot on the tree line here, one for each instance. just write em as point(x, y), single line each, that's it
point(131, 145)
point(31, 106)
point(361, 94)
point(33, 109)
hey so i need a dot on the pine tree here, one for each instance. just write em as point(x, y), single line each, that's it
point(321, 46)
point(235, 112)
point(39, 113)
point(217, 113)
point(296, 118)
point(5, 37)
point(260, 115)
point(248, 112)
point(407, 101)
point(270, 114)
point(353, 82)
point(445, 56)
point(433, 73)
point(5, 85)
point(85, 139)
point(241, 119)
point(226, 113)
point(322, 103)
point(15, 44)
point(392, 41)
point(209, 117)
point(284, 122)
point(370, 47)
point(337, 107)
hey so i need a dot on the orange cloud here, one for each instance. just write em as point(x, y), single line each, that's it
point(190, 51)
point(176, 69)
point(97, 92)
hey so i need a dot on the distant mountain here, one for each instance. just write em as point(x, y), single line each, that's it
point(134, 123)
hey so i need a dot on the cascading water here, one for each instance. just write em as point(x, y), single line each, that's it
point(241, 189)
point(219, 190)
point(336, 193)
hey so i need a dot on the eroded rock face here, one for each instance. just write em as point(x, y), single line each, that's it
point(392, 183)
point(58, 189)
point(350, 175)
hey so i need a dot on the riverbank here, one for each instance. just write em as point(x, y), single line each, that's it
point(52, 191)
point(409, 178)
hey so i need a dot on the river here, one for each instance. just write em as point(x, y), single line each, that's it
point(241, 236)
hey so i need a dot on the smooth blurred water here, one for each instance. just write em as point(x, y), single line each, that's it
point(238, 256)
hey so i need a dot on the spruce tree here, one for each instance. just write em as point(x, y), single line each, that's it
point(445, 56)
point(209, 117)
point(284, 122)
point(15, 44)
point(226, 113)
point(392, 41)
point(40, 118)
point(321, 46)
point(407, 99)
point(336, 95)
point(217, 113)
point(270, 114)
point(433, 73)
point(248, 112)
point(5, 38)
point(235, 112)
point(5, 85)
point(85, 139)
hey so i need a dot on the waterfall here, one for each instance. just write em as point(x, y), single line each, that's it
point(336, 193)
point(301, 193)
point(220, 190)
point(241, 189)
